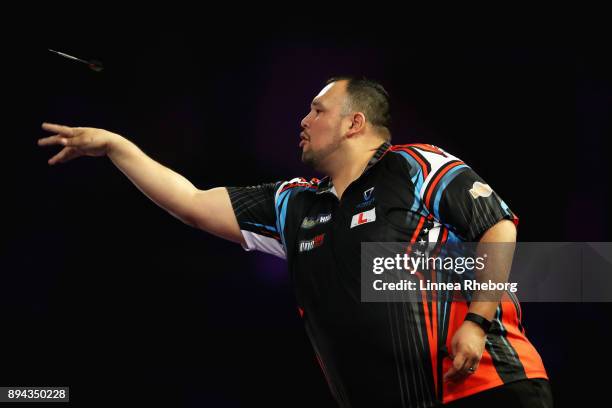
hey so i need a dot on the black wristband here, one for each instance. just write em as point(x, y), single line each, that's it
point(479, 320)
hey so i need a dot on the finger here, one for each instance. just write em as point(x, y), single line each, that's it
point(454, 375)
point(67, 153)
point(469, 366)
point(450, 375)
point(459, 362)
point(51, 140)
point(74, 141)
point(473, 367)
point(61, 129)
point(460, 368)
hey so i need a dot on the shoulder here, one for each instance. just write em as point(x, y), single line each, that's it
point(422, 152)
point(296, 185)
point(424, 158)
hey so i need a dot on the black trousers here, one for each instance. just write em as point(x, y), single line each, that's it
point(532, 393)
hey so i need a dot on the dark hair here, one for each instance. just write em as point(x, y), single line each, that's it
point(369, 97)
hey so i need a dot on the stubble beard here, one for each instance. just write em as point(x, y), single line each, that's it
point(316, 159)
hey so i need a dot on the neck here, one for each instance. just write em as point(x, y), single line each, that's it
point(352, 164)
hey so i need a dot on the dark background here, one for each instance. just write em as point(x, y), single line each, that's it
point(104, 292)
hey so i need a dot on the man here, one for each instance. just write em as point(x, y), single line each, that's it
point(372, 354)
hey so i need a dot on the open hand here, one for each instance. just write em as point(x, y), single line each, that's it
point(77, 142)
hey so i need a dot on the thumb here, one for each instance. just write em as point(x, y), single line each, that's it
point(66, 154)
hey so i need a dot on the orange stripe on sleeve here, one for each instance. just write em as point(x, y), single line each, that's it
point(432, 184)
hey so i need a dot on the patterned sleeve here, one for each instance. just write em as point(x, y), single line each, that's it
point(456, 196)
point(255, 210)
point(469, 206)
point(263, 211)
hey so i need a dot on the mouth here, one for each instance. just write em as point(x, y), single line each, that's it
point(303, 139)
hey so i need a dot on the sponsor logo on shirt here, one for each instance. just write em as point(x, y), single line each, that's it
point(363, 217)
point(310, 222)
point(368, 198)
point(311, 244)
point(480, 190)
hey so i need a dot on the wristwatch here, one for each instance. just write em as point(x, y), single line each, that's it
point(479, 320)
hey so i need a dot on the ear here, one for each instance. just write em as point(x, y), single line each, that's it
point(358, 122)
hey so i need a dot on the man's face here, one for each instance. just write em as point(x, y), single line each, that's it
point(321, 133)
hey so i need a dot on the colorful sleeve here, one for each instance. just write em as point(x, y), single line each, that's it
point(255, 211)
point(456, 196)
point(262, 212)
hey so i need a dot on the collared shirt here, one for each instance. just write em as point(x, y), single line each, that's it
point(385, 354)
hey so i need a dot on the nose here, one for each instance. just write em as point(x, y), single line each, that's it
point(304, 122)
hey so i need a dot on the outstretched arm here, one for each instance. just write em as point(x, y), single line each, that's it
point(209, 210)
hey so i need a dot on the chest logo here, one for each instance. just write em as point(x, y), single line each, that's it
point(368, 198)
point(363, 217)
point(311, 244)
point(310, 222)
